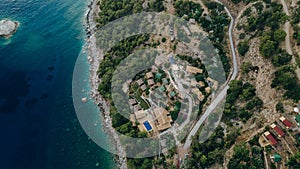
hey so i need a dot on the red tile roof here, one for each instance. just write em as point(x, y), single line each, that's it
point(271, 138)
point(286, 122)
point(278, 130)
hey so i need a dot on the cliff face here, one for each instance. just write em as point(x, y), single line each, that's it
point(7, 28)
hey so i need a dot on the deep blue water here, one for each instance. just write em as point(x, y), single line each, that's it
point(38, 125)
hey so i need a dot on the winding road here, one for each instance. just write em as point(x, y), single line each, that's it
point(287, 38)
point(223, 93)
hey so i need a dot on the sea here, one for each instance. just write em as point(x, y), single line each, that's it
point(38, 124)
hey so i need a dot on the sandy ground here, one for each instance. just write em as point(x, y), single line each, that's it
point(95, 56)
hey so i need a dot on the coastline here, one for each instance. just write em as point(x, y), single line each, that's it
point(95, 55)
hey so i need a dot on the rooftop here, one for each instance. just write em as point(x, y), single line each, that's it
point(158, 75)
point(193, 70)
point(297, 118)
point(276, 157)
point(277, 129)
point(272, 140)
point(150, 82)
point(163, 120)
point(140, 82)
point(285, 122)
point(161, 89)
point(149, 75)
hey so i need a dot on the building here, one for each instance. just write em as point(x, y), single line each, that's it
point(133, 119)
point(158, 75)
point(296, 109)
point(140, 82)
point(149, 75)
point(207, 89)
point(150, 82)
point(143, 87)
point(192, 21)
point(187, 31)
point(193, 70)
point(163, 119)
point(285, 122)
point(137, 107)
point(270, 137)
point(201, 84)
point(213, 82)
point(165, 81)
point(162, 89)
point(140, 115)
point(198, 93)
point(276, 158)
point(279, 132)
point(132, 102)
point(297, 118)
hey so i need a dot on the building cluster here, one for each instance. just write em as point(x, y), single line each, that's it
point(277, 130)
point(154, 118)
point(150, 120)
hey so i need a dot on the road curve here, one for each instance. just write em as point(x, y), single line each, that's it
point(223, 93)
point(287, 38)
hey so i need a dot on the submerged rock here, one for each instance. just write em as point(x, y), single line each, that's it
point(8, 27)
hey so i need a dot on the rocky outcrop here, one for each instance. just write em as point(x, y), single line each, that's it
point(8, 28)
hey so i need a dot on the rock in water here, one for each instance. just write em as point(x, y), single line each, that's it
point(8, 27)
point(84, 100)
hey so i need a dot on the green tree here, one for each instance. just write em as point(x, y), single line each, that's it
point(279, 35)
point(268, 48)
point(243, 47)
point(246, 67)
point(279, 107)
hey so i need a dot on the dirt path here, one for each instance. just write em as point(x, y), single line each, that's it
point(288, 37)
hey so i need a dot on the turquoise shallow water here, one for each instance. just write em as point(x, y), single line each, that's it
point(38, 125)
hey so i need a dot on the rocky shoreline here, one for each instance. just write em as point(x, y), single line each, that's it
point(8, 28)
point(95, 55)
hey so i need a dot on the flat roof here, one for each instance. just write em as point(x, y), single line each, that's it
point(158, 75)
point(172, 61)
point(139, 114)
point(149, 75)
point(297, 117)
point(194, 70)
point(161, 88)
point(140, 82)
point(150, 82)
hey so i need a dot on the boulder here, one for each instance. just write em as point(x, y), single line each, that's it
point(8, 27)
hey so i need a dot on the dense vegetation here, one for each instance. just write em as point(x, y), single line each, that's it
point(244, 158)
point(285, 78)
point(270, 18)
point(294, 162)
point(243, 47)
point(112, 9)
point(189, 8)
point(295, 22)
point(267, 26)
point(269, 43)
point(241, 92)
point(210, 152)
point(216, 22)
point(198, 77)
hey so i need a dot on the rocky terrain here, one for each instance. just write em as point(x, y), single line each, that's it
point(8, 28)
